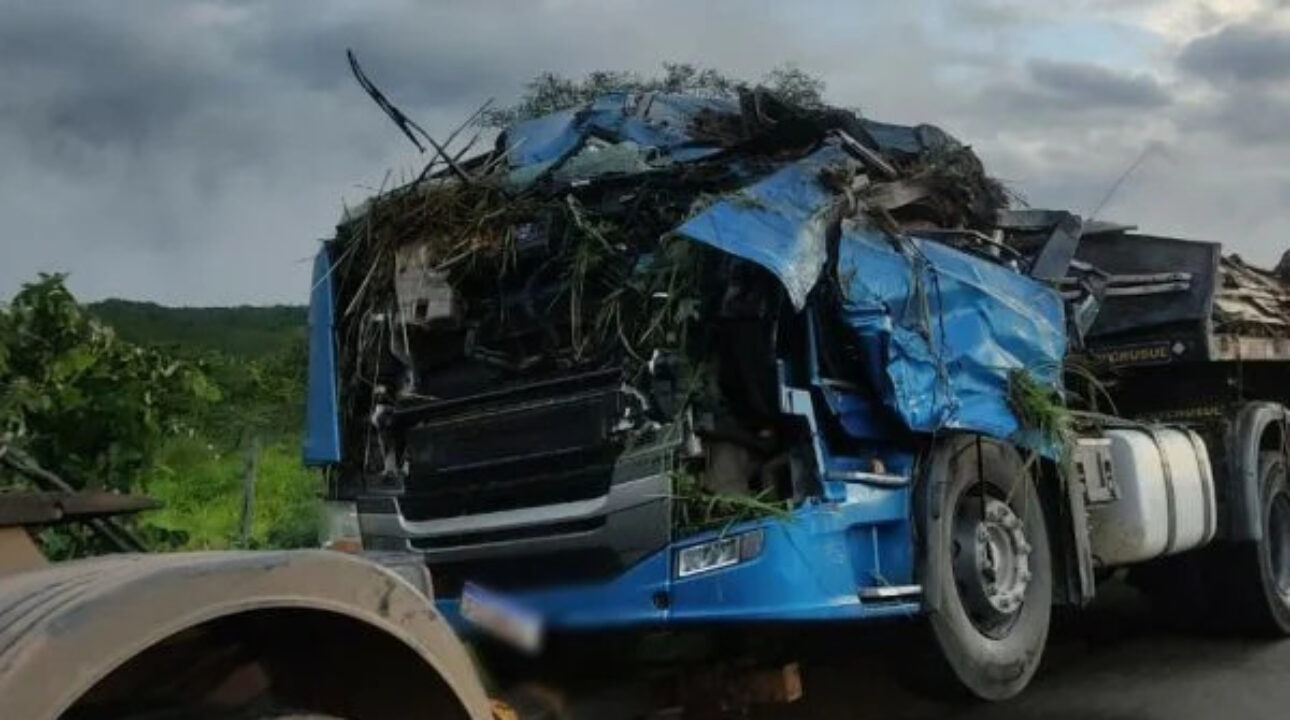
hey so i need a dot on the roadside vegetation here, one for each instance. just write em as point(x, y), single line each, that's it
point(197, 408)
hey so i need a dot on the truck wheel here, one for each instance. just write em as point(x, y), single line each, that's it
point(986, 561)
point(1266, 603)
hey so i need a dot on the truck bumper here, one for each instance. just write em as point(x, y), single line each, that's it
point(839, 561)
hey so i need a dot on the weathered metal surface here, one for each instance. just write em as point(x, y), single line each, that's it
point(1170, 300)
point(1251, 301)
point(1240, 347)
point(64, 628)
point(44, 508)
point(18, 552)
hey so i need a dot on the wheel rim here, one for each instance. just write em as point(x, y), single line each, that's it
point(991, 562)
point(1278, 541)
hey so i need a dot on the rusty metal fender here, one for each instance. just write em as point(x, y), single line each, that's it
point(65, 627)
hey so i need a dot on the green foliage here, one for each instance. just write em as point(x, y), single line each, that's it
point(249, 332)
point(171, 415)
point(201, 492)
point(700, 508)
point(262, 396)
point(549, 92)
point(1042, 413)
point(80, 400)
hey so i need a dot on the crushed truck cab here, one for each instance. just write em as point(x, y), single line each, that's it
point(667, 359)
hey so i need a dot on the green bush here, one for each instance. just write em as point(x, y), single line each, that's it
point(174, 423)
point(201, 492)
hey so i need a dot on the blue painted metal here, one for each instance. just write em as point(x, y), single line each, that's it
point(778, 222)
point(948, 328)
point(657, 122)
point(322, 412)
point(664, 123)
point(811, 567)
point(939, 331)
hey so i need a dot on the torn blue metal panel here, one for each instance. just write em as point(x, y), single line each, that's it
point(542, 140)
point(663, 121)
point(660, 122)
point(778, 222)
point(950, 327)
point(322, 413)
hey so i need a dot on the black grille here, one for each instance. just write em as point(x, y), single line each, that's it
point(538, 445)
point(553, 429)
point(582, 482)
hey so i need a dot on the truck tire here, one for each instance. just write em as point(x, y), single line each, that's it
point(985, 566)
point(1261, 586)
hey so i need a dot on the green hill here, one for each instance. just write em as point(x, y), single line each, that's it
point(245, 331)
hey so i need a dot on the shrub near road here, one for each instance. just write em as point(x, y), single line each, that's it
point(182, 424)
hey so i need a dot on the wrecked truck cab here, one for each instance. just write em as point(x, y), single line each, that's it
point(665, 359)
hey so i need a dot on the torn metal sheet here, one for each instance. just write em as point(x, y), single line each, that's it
point(659, 122)
point(949, 326)
point(779, 222)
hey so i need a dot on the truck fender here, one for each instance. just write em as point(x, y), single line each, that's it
point(65, 628)
point(1241, 486)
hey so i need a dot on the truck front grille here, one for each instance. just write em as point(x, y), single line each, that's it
point(513, 450)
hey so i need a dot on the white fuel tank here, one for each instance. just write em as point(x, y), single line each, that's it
point(1166, 502)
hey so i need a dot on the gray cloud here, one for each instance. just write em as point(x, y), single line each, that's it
point(1246, 53)
point(1246, 69)
point(1245, 116)
point(193, 151)
point(1084, 85)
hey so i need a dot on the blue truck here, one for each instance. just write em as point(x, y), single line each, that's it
point(664, 360)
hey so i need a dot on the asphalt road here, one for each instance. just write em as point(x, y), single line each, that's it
point(1114, 661)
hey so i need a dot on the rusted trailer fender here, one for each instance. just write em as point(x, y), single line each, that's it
point(69, 633)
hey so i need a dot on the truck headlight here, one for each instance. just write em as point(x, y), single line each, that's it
point(719, 553)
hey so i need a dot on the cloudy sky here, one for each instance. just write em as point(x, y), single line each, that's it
point(194, 152)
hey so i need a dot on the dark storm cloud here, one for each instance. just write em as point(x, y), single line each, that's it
point(444, 66)
point(1062, 92)
point(75, 75)
point(193, 150)
point(1070, 85)
point(1243, 53)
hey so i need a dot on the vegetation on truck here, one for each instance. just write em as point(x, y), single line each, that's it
point(530, 263)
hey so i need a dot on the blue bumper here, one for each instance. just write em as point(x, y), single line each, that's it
point(832, 561)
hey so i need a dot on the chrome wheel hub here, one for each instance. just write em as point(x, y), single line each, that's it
point(991, 561)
